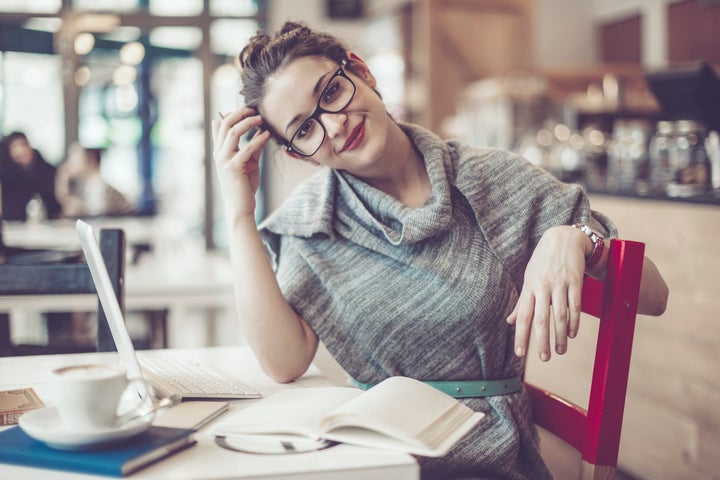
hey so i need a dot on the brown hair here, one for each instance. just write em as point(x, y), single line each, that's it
point(264, 55)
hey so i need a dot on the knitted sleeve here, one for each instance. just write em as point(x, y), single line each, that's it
point(516, 202)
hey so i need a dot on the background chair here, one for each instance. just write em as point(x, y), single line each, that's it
point(54, 278)
point(595, 432)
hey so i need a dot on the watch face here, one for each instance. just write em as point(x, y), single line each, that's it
point(584, 228)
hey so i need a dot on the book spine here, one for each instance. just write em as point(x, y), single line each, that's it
point(60, 462)
point(11, 417)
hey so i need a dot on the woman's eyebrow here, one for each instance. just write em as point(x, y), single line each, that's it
point(316, 91)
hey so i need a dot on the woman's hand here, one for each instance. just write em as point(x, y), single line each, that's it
point(551, 290)
point(238, 165)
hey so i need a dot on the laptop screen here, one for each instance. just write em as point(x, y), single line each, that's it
point(108, 299)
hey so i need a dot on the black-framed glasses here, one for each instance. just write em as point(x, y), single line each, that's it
point(335, 96)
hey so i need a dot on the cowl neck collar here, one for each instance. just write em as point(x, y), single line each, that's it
point(334, 201)
point(399, 223)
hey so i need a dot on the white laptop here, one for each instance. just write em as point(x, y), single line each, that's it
point(177, 379)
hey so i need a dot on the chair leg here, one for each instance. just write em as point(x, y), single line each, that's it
point(588, 471)
point(158, 328)
point(6, 347)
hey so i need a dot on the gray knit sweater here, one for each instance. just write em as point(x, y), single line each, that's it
point(424, 292)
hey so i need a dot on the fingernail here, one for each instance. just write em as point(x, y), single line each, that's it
point(560, 349)
point(519, 351)
point(544, 356)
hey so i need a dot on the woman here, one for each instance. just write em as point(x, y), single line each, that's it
point(24, 175)
point(409, 255)
point(82, 190)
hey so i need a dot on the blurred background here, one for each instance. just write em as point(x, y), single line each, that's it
point(620, 96)
point(563, 83)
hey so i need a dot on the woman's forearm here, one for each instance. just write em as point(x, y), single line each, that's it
point(283, 342)
point(653, 289)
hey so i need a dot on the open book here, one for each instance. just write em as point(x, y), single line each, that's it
point(398, 413)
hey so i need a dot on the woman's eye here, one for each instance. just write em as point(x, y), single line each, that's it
point(305, 130)
point(331, 91)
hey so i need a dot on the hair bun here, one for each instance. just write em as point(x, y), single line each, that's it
point(291, 27)
point(254, 47)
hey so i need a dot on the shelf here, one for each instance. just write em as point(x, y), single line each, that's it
point(712, 198)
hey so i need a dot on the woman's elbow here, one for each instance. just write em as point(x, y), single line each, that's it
point(282, 373)
point(656, 301)
point(663, 299)
point(654, 291)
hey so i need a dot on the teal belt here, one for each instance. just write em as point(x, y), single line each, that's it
point(465, 389)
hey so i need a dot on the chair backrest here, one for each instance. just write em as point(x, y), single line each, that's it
point(595, 432)
point(71, 278)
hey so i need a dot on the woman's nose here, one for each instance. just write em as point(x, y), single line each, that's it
point(334, 123)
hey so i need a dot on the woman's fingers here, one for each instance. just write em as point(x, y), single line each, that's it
point(560, 319)
point(522, 318)
point(536, 311)
point(541, 326)
point(574, 301)
point(228, 129)
point(237, 159)
point(551, 292)
point(233, 135)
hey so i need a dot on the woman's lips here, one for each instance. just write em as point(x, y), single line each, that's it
point(355, 138)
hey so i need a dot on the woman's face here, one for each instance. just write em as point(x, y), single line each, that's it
point(355, 138)
point(21, 152)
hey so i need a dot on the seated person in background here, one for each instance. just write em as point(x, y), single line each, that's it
point(81, 189)
point(24, 174)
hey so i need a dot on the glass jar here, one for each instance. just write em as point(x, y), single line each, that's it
point(627, 157)
point(662, 171)
point(689, 157)
point(596, 158)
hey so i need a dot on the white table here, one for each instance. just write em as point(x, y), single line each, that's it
point(61, 233)
point(206, 460)
point(179, 276)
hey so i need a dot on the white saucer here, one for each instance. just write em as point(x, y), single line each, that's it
point(45, 425)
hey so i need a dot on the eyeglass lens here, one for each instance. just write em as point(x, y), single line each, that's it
point(335, 96)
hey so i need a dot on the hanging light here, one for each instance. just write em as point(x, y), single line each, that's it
point(126, 98)
point(132, 53)
point(84, 43)
point(82, 76)
point(124, 75)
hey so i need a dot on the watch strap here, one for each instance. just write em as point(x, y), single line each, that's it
point(598, 245)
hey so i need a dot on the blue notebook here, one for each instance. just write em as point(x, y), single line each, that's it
point(115, 460)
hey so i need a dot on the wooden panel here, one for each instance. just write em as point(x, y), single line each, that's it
point(658, 444)
point(671, 427)
point(620, 41)
point(707, 452)
point(693, 31)
point(674, 388)
point(456, 42)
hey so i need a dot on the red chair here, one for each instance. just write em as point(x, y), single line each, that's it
point(595, 432)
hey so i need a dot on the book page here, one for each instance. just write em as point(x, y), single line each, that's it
point(296, 411)
point(402, 413)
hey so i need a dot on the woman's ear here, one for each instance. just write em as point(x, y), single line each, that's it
point(357, 66)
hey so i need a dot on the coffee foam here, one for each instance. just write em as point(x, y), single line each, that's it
point(87, 372)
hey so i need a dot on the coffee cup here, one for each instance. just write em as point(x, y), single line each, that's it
point(88, 396)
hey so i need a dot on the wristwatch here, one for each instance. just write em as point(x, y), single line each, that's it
point(598, 245)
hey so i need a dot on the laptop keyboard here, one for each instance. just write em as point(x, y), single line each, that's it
point(184, 378)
